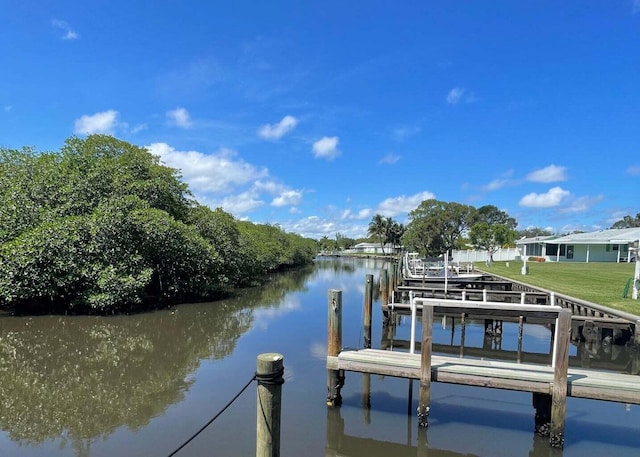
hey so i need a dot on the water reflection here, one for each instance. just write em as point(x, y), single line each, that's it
point(417, 442)
point(79, 378)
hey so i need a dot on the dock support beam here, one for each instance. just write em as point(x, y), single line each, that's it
point(424, 403)
point(335, 378)
point(560, 368)
point(269, 400)
point(384, 294)
point(368, 305)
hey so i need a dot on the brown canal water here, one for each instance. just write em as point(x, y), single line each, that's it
point(141, 385)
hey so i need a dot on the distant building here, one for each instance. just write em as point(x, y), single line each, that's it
point(610, 245)
point(374, 248)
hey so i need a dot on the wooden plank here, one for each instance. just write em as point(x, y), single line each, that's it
point(490, 373)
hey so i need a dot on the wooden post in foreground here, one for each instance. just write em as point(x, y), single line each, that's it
point(334, 346)
point(424, 403)
point(368, 304)
point(560, 369)
point(269, 399)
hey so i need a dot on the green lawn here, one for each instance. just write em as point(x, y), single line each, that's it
point(597, 282)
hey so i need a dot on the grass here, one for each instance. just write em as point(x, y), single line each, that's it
point(598, 282)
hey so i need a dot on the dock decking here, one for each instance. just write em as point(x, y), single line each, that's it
point(550, 385)
point(592, 384)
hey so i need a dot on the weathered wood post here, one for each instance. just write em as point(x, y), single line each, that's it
point(560, 370)
point(368, 304)
point(424, 403)
point(636, 334)
point(384, 293)
point(269, 399)
point(392, 281)
point(462, 332)
point(334, 345)
point(520, 331)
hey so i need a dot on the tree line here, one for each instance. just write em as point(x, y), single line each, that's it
point(436, 227)
point(103, 226)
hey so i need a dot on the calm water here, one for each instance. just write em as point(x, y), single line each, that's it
point(140, 385)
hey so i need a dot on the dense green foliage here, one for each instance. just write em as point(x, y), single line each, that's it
point(103, 225)
point(437, 226)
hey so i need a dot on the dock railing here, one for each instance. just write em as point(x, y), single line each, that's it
point(560, 360)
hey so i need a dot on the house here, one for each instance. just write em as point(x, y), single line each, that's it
point(610, 245)
point(374, 248)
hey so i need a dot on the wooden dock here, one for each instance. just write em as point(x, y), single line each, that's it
point(581, 383)
point(550, 385)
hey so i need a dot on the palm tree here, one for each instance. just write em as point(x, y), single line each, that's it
point(378, 228)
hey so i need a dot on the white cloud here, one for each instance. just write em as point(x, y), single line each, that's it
point(390, 159)
point(582, 204)
point(455, 95)
point(276, 131)
point(634, 170)
point(69, 34)
point(403, 204)
point(500, 182)
point(400, 133)
point(360, 215)
point(496, 184)
point(326, 148)
point(287, 198)
point(139, 128)
point(218, 173)
point(103, 122)
point(550, 199)
point(180, 117)
point(241, 203)
point(552, 173)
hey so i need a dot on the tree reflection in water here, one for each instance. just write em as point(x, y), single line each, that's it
point(80, 378)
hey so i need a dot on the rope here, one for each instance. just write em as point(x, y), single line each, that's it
point(216, 416)
point(270, 379)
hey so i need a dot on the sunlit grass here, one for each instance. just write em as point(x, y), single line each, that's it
point(598, 282)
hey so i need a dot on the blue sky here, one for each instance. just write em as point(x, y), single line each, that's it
point(318, 115)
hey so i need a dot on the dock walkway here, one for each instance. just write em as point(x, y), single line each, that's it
point(581, 383)
point(550, 385)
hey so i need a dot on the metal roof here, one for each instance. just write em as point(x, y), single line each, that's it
point(610, 236)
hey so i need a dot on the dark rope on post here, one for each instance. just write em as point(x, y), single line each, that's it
point(270, 379)
point(214, 417)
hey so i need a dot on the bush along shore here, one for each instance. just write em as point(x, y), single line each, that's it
point(103, 227)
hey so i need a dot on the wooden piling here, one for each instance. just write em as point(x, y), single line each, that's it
point(368, 304)
point(269, 400)
point(520, 331)
point(462, 333)
point(334, 346)
point(384, 292)
point(636, 334)
point(424, 403)
point(559, 388)
point(393, 277)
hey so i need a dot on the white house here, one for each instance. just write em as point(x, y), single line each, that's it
point(610, 245)
point(374, 248)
